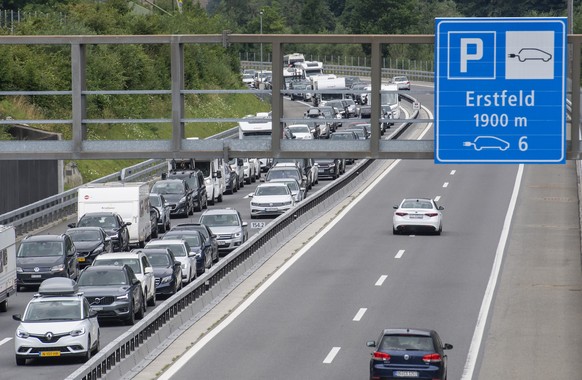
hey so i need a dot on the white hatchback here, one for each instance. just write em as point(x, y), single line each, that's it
point(417, 214)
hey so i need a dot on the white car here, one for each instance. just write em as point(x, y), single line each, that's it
point(182, 253)
point(249, 171)
point(139, 262)
point(271, 198)
point(57, 322)
point(297, 191)
point(417, 214)
point(301, 131)
point(402, 82)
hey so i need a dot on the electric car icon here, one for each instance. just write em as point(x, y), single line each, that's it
point(487, 142)
point(531, 54)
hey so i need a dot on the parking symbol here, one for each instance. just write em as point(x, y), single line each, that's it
point(471, 55)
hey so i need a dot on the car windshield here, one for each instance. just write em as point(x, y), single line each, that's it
point(342, 136)
point(271, 190)
point(219, 220)
point(106, 222)
point(177, 249)
point(274, 174)
point(103, 277)
point(406, 343)
point(54, 310)
point(159, 261)
point(40, 249)
point(168, 188)
point(417, 204)
point(192, 239)
point(299, 129)
point(133, 263)
point(292, 185)
point(84, 235)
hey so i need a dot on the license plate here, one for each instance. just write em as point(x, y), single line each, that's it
point(415, 216)
point(50, 353)
point(221, 243)
point(35, 276)
point(97, 308)
point(406, 373)
point(81, 259)
point(271, 209)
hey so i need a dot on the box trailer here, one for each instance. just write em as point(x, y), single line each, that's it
point(130, 200)
point(7, 265)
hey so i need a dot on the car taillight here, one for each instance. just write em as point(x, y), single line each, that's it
point(431, 214)
point(431, 358)
point(381, 356)
point(401, 213)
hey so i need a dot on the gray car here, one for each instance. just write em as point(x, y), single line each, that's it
point(228, 226)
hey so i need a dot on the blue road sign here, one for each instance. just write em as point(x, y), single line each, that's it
point(500, 90)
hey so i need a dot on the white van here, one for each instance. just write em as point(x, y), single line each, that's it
point(7, 265)
point(214, 174)
point(130, 200)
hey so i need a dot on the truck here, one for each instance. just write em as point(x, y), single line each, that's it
point(7, 265)
point(130, 200)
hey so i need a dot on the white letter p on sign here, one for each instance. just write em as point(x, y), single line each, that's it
point(477, 43)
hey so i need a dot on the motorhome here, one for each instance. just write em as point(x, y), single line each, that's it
point(7, 265)
point(289, 60)
point(310, 68)
point(333, 85)
point(292, 74)
point(131, 200)
point(256, 126)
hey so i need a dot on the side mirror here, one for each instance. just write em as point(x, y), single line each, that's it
point(251, 195)
point(371, 343)
point(447, 346)
point(191, 254)
point(127, 223)
point(17, 317)
point(177, 264)
point(72, 225)
point(441, 208)
point(395, 207)
point(135, 281)
point(245, 224)
point(148, 270)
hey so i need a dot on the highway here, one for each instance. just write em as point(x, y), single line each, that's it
point(358, 278)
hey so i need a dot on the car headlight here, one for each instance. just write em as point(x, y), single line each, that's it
point(287, 203)
point(166, 279)
point(97, 250)
point(237, 234)
point(183, 200)
point(254, 204)
point(22, 334)
point(19, 269)
point(58, 268)
point(123, 297)
point(78, 332)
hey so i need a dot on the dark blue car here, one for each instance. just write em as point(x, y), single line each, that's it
point(408, 353)
point(197, 244)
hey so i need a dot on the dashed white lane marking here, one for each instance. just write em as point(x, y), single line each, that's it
point(360, 314)
point(248, 195)
point(329, 358)
point(446, 184)
point(453, 172)
point(399, 254)
point(381, 280)
point(5, 340)
point(437, 198)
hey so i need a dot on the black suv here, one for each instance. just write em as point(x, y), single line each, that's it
point(113, 225)
point(195, 179)
point(178, 194)
point(45, 256)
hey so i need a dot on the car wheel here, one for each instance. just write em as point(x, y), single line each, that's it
point(141, 312)
point(130, 321)
point(87, 355)
point(4, 306)
point(220, 198)
point(154, 234)
point(394, 231)
point(97, 345)
point(162, 228)
point(152, 300)
point(20, 361)
point(211, 200)
point(438, 232)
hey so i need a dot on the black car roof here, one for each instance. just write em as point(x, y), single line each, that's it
point(45, 238)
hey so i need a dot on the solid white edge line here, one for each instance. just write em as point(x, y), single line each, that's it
point(381, 280)
point(205, 339)
point(329, 358)
point(399, 254)
point(5, 340)
point(360, 314)
point(493, 278)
